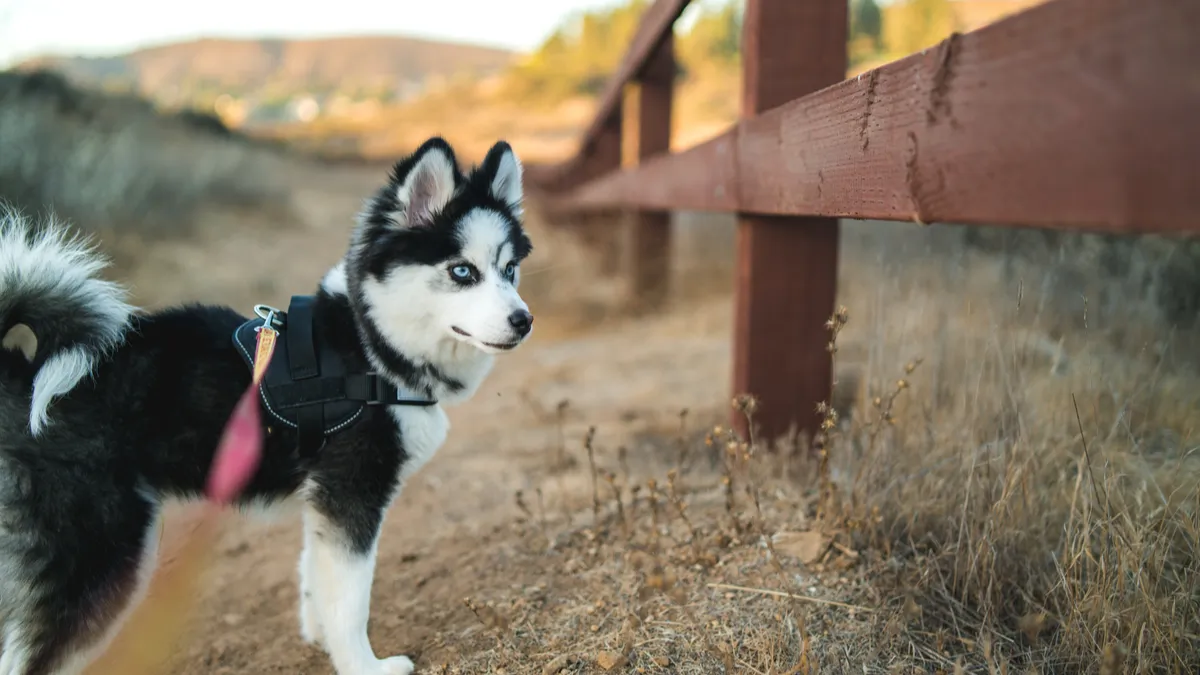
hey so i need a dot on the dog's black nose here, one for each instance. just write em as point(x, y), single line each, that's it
point(521, 321)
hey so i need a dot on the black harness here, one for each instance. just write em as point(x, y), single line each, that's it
point(306, 387)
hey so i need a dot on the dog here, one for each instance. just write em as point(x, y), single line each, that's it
point(107, 412)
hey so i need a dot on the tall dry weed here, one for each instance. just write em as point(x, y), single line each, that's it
point(1042, 501)
point(113, 161)
point(1015, 489)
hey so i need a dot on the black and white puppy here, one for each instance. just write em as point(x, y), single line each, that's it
point(106, 412)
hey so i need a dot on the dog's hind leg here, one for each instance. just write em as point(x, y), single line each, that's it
point(83, 597)
point(32, 647)
point(32, 651)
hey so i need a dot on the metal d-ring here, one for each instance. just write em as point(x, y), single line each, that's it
point(268, 314)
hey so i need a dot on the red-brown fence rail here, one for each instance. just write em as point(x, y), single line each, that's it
point(1072, 115)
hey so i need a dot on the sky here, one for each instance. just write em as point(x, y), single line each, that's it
point(33, 27)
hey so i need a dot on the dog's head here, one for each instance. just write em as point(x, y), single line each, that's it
point(437, 257)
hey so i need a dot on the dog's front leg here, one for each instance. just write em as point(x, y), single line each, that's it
point(339, 583)
point(310, 619)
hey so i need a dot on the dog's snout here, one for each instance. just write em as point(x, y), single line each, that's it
point(521, 321)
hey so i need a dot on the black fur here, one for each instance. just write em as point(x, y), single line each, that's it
point(387, 244)
point(144, 426)
point(148, 423)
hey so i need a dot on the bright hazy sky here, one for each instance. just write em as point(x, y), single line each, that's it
point(30, 27)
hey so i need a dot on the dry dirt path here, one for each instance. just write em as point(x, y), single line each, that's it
point(447, 529)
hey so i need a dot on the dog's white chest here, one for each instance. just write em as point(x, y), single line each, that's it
point(421, 431)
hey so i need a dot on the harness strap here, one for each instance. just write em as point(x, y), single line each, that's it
point(368, 388)
point(303, 365)
point(310, 430)
point(302, 349)
point(306, 387)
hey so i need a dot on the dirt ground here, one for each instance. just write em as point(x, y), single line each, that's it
point(930, 539)
point(447, 530)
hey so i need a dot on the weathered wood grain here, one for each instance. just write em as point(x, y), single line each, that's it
point(1076, 114)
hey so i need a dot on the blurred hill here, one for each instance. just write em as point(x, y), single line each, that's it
point(545, 98)
point(377, 97)
point(543, 101)
point(213, 116)
point(148, 142)
point(258, 73)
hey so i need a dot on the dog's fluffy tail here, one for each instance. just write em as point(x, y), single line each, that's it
point(53, 307)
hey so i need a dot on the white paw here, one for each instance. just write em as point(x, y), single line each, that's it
point(396, 665)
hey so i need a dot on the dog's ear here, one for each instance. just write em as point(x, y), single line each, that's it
point(502, 170)
point(425, 182)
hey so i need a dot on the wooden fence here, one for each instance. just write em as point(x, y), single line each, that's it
point(1072, 115)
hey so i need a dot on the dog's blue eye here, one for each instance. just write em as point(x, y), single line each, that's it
point(510, 270)
point(462, 272)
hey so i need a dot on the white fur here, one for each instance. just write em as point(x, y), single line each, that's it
point(483, 310)
point(334, 282)
point(53, 266)
point(423, 431)
point(416, 312)
point(335, 583)
point(419, 319)
point(56, 377)
point(265, 511)
point(310, 618)
point(416, 309)
point(15, 652)
point(336, 601)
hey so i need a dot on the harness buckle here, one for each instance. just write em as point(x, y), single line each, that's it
point(269, 315)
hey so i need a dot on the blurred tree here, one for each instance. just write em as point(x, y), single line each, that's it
point(866, 19)
point(579, 57)
point(866, 31)
point(917, 24)
point(714, 39)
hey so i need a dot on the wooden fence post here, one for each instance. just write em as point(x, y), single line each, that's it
point(786, 266)
point(600, 229)
point(651, 236)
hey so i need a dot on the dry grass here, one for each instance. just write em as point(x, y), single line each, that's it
point(1009, 483)
point(992, 501)
point(1027, 535)
point(960, 522)
point(112, 161)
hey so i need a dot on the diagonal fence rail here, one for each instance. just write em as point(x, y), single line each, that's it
point(1071, 115)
